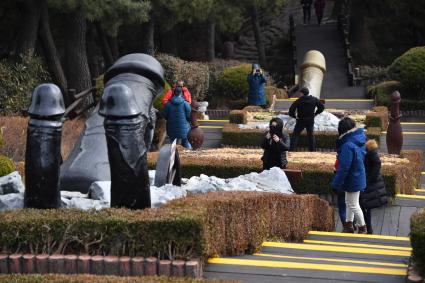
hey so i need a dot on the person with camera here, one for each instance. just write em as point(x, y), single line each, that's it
point(304, 109)
point(256, 81)
point(275, 145)
point(169, 94)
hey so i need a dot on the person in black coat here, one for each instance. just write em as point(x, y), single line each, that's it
point(275, 145)
point(304, 109)
point(375, 194)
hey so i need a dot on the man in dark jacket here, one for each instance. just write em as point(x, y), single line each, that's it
point(304, 110)
point(177, 113)
point(256, 81)
point(306, 10)
point(375, 194)
point(275, 145)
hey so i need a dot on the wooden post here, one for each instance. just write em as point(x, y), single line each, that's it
point(394, 132)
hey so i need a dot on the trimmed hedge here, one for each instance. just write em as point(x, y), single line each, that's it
point(409, 70)
point(234, 136)
point(378, 118)
point(195, 74)
point(381, 92)
point(61, 278)
point(317, 172)
point(221, 223)
point(238, 117)
point(417, 239)
point(232, 82)
point(6, 166)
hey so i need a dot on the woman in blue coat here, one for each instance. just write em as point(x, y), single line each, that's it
point(177, 113)
point(350, 175)
point(256, 81)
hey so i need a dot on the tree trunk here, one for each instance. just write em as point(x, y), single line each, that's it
point(149, 40)
point(211, 40)
point(113, 44)
point(77, 68)
point(27, 37)
point(106, 49)
point(51, 54)
point(258, 37)
point(93, 52)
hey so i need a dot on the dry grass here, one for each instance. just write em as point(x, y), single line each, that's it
point(14, 130)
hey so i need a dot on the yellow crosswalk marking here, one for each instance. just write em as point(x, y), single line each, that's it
point(311, 266)
point(328, 248)
point(359, 245)
point(382, 237)
point(334, 260)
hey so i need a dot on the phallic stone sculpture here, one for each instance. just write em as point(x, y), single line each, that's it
point(131, 85)
point(43, 150)
point(88, 162)
point(195, 135)
point(312, 72)
point(394, 132)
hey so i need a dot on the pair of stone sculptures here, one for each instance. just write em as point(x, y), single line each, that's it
point(116, 139)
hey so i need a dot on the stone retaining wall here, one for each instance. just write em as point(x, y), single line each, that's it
point(100, 265)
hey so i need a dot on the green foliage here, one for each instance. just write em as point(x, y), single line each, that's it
point(409, 70)
point(233, 136)
point(232, 82)
point(110, 231)
point(417, 239)
point(382, 92)
point(110, 14)
point(194, 74)
point(83, 278)
point(157, 103)
point(238, 117)
point(191, 227)
point(6, 166)
point(18, 81)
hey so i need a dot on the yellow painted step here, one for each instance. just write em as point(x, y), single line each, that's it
point(410, 196)
point(378, 263)
point(309, 266)
point(373, 246)
point(329, 248)
point(211, 127)
point(348, 235)
point(214, 121)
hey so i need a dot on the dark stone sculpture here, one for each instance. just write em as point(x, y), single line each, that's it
point(195, 135)
point(43, 150)
point(131, 85)
point(394, 132)
point(88, 161)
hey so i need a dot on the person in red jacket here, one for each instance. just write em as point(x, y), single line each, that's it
point(186, 94)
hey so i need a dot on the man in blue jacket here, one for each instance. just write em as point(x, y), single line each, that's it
point(256, 81)
point(177, 113)
point(350, 175)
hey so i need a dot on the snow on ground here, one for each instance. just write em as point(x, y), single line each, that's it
point(325, 121)
point(273, 180)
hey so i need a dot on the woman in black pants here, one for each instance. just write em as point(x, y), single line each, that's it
point(375, 194)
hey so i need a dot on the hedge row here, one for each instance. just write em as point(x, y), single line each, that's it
point(226, 224)
point(235, 136)
point(317, 176)
point(378, 118)
point(381, 92)
point(59, 278)
point(417, 239)
point(238, 117)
